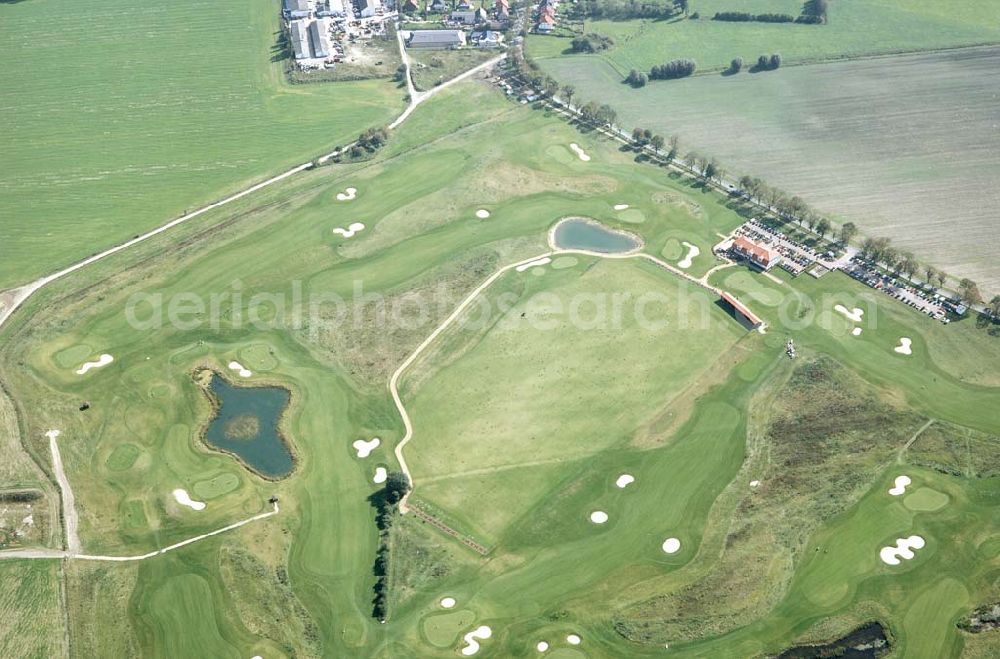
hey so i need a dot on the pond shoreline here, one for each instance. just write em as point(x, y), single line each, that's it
point(198, 375)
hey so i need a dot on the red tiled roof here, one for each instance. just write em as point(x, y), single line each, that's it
point(545, 18)
point(741, 308)
point(757, 252)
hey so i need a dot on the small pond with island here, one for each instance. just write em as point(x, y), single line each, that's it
point(246, 422)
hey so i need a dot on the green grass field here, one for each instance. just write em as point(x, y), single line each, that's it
point(856, 28)
point(521, 425)
point(122, 117)
point(878, 133)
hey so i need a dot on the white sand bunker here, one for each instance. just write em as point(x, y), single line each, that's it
point(471, 642)
point(598, 517)
point(671, 545)
point(854, 314)
point(364, 448)
point(103, 360)
point(241, 369)
point(52, 434)
point(580, 152)
point(693, 251)
point(754, 483)
point(573, 639)
point(621, 207)
point(542, 646)
point(899, 487)
point(347, 195)
point(903, 549)
point(182, 498)
point(351, 229)
point(904, 346)
point(380, 475)
point(482, 213)
point(447, 602)
point(624, 480)
point(856, 331)
point(531, 264)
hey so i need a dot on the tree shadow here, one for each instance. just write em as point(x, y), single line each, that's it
point(280, 49)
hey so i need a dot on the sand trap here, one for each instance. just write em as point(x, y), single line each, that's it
point(903, 348)
point(625, 479)
point(671, 545)
point(482, 213)
point(103, 360)
point(472, 645)
point(621, 207)
point(542, 646)
point(754, 483)
point(856, 331)
point(447, 602)
point(580, 152)
point(380, 475)
point(854, 314)
point(903, 549)
point(531, 264)
point(347, 195)
point(900, 486)
point(52, 434)
point(243, 371)
point(351, 229)
point(364, 448)
point(182, 498)
point(693, 251)
point(573, 639)
point(598, 517)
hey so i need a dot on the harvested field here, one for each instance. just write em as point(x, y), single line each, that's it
point(904, 146)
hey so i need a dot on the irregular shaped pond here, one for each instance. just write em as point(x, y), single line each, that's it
point(866, 642)
point(246, 424)
point(580, 233)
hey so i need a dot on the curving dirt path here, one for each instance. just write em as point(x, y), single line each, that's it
point(70, 518)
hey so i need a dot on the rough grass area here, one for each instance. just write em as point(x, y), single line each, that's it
point(855, 28)
point(98, 593)
point(133, 115)
point(818, 442)
point(266, 603)
point(430, 68)
point(954, 450)
point(422, 558)
point(876, 131)
point(31, 610)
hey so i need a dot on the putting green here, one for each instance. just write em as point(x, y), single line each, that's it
point(562, 262)
point(561, 154)
point(258, 357)
point(123, 457)
point(217, 486)
point(443, 629)
point(73, 356)
point(632, 216)
point(673, 250)
point(926, 500)
point(753, 287)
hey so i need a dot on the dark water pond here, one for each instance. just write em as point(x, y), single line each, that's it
point(589, 235)
point(246, 423)
point(866, 642)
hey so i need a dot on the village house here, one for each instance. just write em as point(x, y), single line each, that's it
point(470, 17)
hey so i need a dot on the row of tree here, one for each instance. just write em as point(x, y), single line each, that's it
point(787, 207)
point(678, 68)
point(621, 10)
point(747, 17)
point(386, 504)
